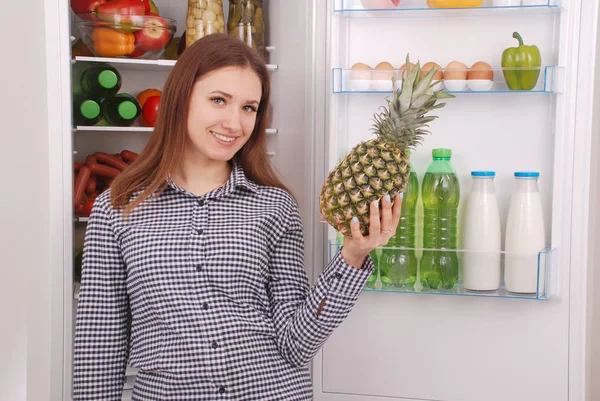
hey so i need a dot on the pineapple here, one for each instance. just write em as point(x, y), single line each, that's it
point(381, 166)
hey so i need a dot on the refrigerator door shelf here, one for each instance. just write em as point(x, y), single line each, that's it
point(420, 9)
point(543, 265)
point(140, 64)
point(550, 80)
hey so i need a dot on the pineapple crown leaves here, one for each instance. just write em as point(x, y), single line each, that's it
point(403, 123)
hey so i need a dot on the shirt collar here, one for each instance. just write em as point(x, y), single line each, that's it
point(237, 179)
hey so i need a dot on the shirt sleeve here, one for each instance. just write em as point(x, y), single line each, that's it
point(300, 331)
point(102, 321)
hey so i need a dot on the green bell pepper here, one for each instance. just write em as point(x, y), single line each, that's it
point(521, 65)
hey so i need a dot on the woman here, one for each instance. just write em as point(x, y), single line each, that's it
point(193, 260)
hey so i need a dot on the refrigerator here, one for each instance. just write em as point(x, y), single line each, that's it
point(397, 343)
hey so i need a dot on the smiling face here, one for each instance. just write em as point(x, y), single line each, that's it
point(222, 113)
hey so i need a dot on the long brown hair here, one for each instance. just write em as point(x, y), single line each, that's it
point(166, 144)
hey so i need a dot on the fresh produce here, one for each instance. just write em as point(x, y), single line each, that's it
point(381, 166)
point(204, 17)
point(150, 111)
point(150, 7)
point(246, 22)
point(111, 43)
point(521, 65)
point(85, 6)
point(80, 49)
point(121, 7)
point(146, 93)
point(95, 176)
point(155, 35)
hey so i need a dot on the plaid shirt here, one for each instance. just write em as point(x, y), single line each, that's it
point(206, 295)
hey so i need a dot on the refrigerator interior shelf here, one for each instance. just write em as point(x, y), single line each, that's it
point(543, 264)
point(550, 80)
point(140, 64)
point(419, 8)
point(105, 128)
point(82, 219)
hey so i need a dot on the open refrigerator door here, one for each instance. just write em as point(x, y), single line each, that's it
point(417, 338)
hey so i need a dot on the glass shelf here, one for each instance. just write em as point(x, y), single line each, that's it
point(141, 64)
point(542, 266)
point(348, 81)
point(419, 8)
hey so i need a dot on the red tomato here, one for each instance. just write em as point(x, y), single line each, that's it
point(150, 110)
point(87, 207)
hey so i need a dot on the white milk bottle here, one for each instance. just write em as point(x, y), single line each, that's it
point(525, 237)
point(482, 235)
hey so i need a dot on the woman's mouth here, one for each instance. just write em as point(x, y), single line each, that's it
point(223, 139)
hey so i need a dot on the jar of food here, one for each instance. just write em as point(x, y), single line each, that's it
point(247, 23)
point(204, 17)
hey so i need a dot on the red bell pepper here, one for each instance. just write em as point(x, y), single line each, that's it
point(122, 7)
point(85, 6)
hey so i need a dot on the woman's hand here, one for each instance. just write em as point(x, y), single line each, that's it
point(357, 247)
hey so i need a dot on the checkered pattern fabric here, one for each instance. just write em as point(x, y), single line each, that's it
point(206, 295)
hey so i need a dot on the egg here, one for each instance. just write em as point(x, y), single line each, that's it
point(383, 71)
point(481, 70)
point(455, 70)
point(438, 76)
point(360, 71)
point(402, 72)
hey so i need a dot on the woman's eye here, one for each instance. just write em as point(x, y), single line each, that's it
point(218, 100)
point(250, 109)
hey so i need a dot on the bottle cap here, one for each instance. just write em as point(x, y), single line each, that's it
point(527, 174)
point(90, 109)
point(483, 173)
point(441, 153)
point(108, 79)
point(127, 110)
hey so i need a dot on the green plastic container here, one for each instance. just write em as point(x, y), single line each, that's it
point(400, 265)
point(441, 195)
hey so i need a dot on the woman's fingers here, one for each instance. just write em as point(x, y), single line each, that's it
point(397, 209)
point(374, 223)
point(387, 225)
point(355, 229)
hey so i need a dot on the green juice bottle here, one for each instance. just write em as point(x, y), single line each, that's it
point(100, 81)
point(86, 111)
point(400, 264)
point(121, 110)
point(441, 195)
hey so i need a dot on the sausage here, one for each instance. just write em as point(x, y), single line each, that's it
point(77, 166)
point(91, 159)
point(104, 171)
point(110, 160)
point(91, 185)
point(80, 183)
point(129, 156)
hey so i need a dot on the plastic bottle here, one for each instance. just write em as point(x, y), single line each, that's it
point(400, 265)
point(120, 110)
point(100, 81)
point(86, 111)
point(525, 237)
point(482, 237)
point(441, 196)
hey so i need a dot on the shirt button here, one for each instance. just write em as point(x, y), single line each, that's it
point(221, 390)
point(199, 268)
point(215, 345)
point(338, 275)
point(205, 306)
point(201, 202)
point(199, 231)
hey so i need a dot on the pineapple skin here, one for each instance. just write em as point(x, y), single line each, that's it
point(370, 171)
